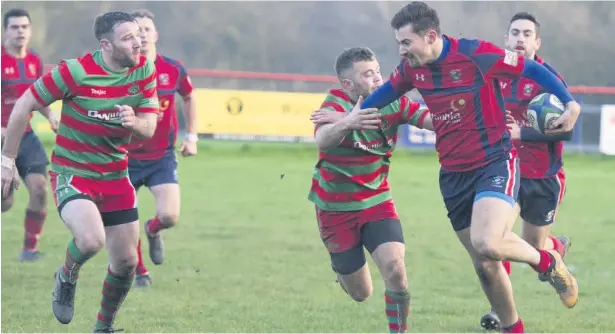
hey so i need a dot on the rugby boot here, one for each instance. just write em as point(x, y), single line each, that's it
point(562, 280)
point(156, 246)
point(490, 321)
point(562, 251)
point(142, 281)
point(30, 255)
point(63, 299)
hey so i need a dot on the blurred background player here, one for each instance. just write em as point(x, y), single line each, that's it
point(89, 166)
point(479, 177)
point(21, 67)
point(543, 182)
point(350, 186)
point(152, 163)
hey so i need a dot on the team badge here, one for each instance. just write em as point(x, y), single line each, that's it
point(32, 69)
point(498, 181)
point(134, 89)
point(527, 90)
point(163, 78)
point(456, 75)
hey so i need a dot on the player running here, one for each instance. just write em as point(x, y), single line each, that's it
point(21, 66)
point(479, 178)
point(152, 163)
point(350, 187)
point(107, 96)
point(543, 182)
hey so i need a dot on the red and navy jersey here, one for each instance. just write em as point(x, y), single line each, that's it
point(172, 79)
point(18, 74)
point(537, 159)
point(463, 95)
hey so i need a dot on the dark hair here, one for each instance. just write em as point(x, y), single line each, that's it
point(143, 13)
point(106, 23)
point(420, 15)
point(346, 60)
point(14, 12)
point(525, 16)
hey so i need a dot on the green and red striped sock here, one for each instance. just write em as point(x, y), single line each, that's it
point(114, 292)
point(73, 262)
point(397, 310)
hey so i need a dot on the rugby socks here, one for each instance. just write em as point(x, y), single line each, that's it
point(33, 224)
point(140, 270)
point(506, 265)
point(154, 226)
point(114, 292)
point(558, 246)
point(397, 310)
point(74, 260)
point(517, 327)
point(545, 261)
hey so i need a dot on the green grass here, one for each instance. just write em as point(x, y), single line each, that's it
point(246, 256)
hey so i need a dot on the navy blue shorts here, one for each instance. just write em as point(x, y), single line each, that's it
point(460, 190)
point(539, 199)
point(151, 173)
point(32, 157)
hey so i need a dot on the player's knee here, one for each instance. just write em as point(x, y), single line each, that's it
point(169, 218)
point(487, 248)
point(38, 190)
point(7, 204)
point(90, 243)
point(394, 273)
point(361, 293)
point(125, 265)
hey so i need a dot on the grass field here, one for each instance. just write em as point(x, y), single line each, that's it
point(246, 256)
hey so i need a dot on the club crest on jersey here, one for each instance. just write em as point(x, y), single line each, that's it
point(134, 89)
point(456, 75)
point(527, 89)
point(32, 69)
point(110, 115)
point(164, 78)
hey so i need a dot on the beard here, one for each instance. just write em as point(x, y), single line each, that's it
point(124, 58)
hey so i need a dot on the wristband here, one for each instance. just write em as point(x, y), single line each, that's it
point(8, 161)
point(192, 137)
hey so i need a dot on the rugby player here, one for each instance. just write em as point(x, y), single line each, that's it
point(107, 96)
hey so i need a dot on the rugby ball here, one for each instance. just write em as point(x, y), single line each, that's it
point(543, 110)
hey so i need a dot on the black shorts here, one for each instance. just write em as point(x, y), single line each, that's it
point(32, 157)
point(539, 199)
point(151, 173)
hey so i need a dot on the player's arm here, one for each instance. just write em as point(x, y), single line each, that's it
point(46, 111)
point(189, 108)
point(415, 114)
point(399, 84)
point(495, 62)
point(51, 87)
point(530, 134)
point(332, 134)
point(146, 113)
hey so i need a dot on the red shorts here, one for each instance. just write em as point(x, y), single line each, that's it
point(341, 230)
point(108, 195)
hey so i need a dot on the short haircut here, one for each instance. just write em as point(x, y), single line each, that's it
point(346, 60)
point(143, 13)
point(14, 12)
point(420, 15)
point(105, 24)
point(525, 16)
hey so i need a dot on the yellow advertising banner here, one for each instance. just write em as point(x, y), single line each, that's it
point(258, 115)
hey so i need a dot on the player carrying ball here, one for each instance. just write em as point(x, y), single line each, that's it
point(107, 97)
point(350, 186)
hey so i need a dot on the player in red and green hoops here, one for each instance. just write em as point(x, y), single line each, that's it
point(108, 96)
point(350, 187)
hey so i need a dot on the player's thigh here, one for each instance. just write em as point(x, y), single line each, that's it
point(36, 182)
point(122, 242)
point(483, 266)
point(458, 191)
point(384, 239)
point(341, 235)
point(167, 199)
point(495, 207)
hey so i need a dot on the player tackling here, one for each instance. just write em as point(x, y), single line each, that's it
point(21, 66)
point(479, 177)
point(152, 162)
point(350, 186)
point(543, 181)
point(107, 97)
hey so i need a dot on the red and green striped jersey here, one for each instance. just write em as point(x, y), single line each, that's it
point(354, 175)
point(91, 140)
